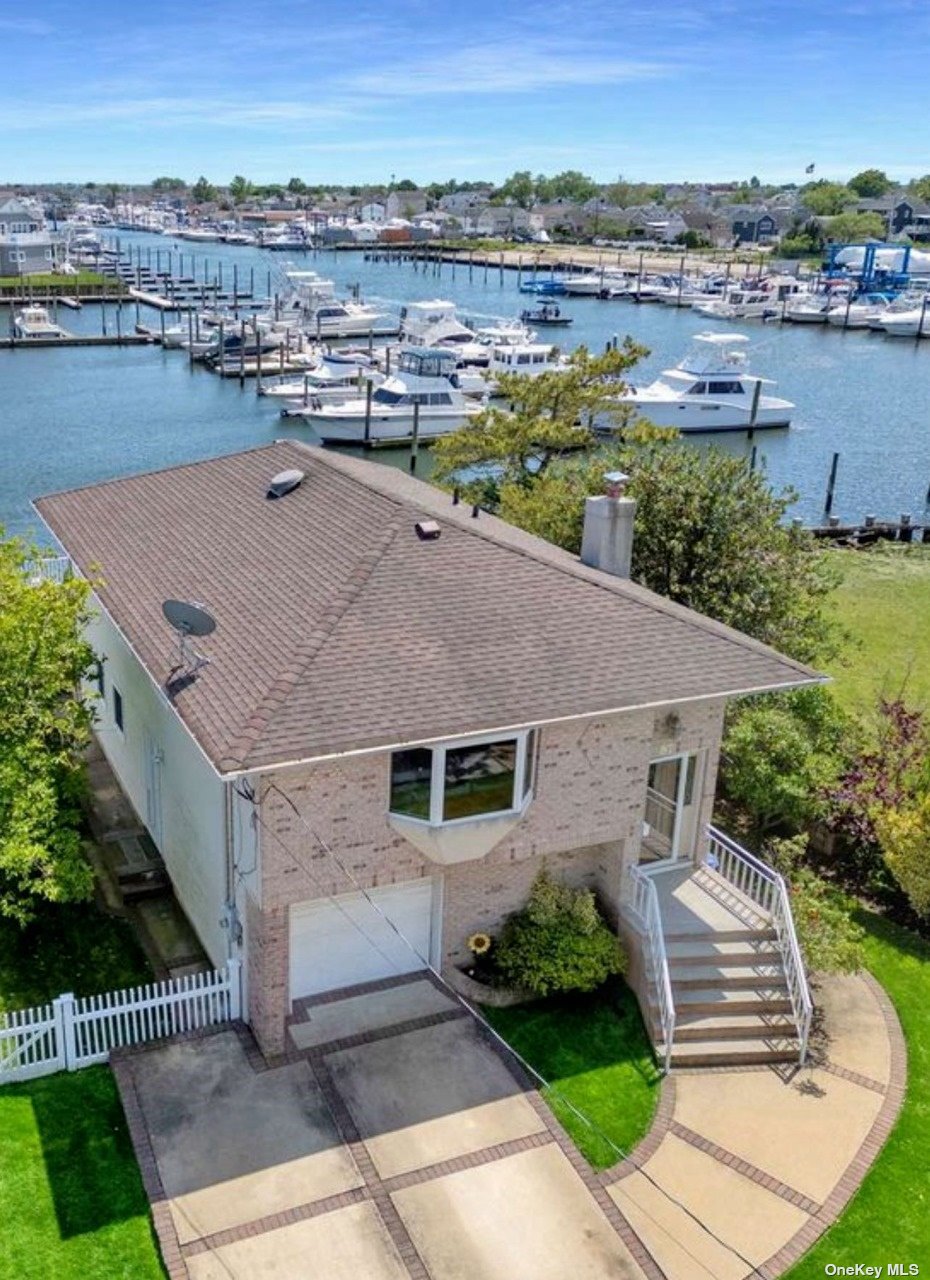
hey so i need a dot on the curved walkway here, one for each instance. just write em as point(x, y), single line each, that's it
point(761, 1161)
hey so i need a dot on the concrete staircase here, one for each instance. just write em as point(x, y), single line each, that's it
point(731, 998)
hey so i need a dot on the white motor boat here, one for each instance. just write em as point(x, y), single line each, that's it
point(526, 359)
point(913, 323)
point(859, 314)
point(738, 304)
point(709, 390)
point(424, 377)
point(812, 308)
point(313, 304)
point(34, 322)
point(588, 284)
point(327, 380)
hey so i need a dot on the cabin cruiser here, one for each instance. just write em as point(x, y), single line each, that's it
point(588, 284)
point(425, 377)
point(326, 380)
point(859, 314)
point(526, 359)
point(709, 390)
point(914, 322)
point(313, 304)
point(435, 324)
point(738, 304)
point(34, 322)
point(812, 308)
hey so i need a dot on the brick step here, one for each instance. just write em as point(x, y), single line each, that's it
point(764, 977)
point(720, 1002)
point(730, 1053)
point(748, 1026)
point(746, 934)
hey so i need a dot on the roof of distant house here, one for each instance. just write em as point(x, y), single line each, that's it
point(339, 629)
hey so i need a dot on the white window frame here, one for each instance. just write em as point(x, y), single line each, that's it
point(682, 785)
point(437, 789)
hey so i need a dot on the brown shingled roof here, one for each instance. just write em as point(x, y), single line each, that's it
point(339, 630)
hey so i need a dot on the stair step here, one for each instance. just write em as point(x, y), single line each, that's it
point(765, 977)
point(737, 956)
point(730, 1053)
point(745, 934)
point(718, 1001)
point(749, 1026)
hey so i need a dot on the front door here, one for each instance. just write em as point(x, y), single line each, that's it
point(671, 809)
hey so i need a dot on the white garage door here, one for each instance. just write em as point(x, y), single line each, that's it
point(339, 942)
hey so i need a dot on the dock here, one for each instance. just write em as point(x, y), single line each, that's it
point(76, 340)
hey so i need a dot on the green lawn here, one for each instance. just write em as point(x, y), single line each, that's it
point(43, 281)
point(594, 1053)
point(884, 602)
point(72, 1203)
point(889, 1218)
point(73, 947)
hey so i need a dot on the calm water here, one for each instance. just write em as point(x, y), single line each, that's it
point(74, 416)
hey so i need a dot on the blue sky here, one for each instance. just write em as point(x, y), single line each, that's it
point(435, 89)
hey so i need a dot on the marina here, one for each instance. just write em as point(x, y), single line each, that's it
point(101, 410)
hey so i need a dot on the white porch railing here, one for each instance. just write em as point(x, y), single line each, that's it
point(643, 901)
point(70, 1033)
point(763, 885)
point(47, 569)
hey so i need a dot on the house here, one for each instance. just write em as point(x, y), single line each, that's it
point(404, 702)
point(373, 211)
point(406, 204)
point(751, 224)
point(459, 203)
point(896, 210)
point(26, 247)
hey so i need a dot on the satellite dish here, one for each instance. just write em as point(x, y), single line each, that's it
point(188, 619)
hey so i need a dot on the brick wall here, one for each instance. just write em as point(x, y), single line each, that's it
point(585, 821)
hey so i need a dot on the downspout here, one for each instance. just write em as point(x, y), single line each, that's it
point(231, 914)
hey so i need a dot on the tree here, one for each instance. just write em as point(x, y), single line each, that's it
point(203, 192)
point(240, 189)
point(548, 419)
point(572, 185)
point(904, 837)
point(692, 239)
point(829, 937)
point(406, 184)
point(169, 184)
point(826, 198)
point(44, 724)
point(847, 227)
point(519, 188)
point(802, 240)
point(870, 183)
point(297, 186)
point(921, 187)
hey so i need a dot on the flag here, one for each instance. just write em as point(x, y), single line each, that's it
point(809, 169)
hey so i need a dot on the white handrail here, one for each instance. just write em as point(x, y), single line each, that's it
point(764, 886)
point(644, 901)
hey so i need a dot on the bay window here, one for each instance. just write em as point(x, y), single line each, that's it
point(463, 780)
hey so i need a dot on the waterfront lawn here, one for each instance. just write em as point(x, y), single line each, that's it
point(884, 602)
point(595, 1055)
point(71, 1198)
point(35, 283)
point(69, 947)
point(888, 1220)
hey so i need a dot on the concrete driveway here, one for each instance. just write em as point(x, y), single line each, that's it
point(402, 1151)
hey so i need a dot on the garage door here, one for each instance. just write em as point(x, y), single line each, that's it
point(340, 942)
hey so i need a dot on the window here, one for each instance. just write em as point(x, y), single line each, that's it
point(725, 388)
point(118, 709)
point(699, 389)
point(463, 780)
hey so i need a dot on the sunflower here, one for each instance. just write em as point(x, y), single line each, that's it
point(479, 944)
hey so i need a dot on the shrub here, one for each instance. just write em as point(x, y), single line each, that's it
point(558, 942)
point(829, 938)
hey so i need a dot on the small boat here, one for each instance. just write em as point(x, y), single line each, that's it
point(34, 322)
point(425, 377)
point(327, 380)
point(709, 390)
point(549, 315)
point(913, 323)
point(544, 288)
point(810, 309)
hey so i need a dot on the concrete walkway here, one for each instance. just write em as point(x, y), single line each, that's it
point(397, 1142)
point(744, 1169)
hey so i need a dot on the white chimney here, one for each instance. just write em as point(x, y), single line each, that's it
point(607, 540)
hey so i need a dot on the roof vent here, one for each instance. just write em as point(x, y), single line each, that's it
point(427, 530)
point(284, 482)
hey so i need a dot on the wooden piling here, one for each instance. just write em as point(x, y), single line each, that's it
point(415, 437)
point(368, 385)
point(831, 485)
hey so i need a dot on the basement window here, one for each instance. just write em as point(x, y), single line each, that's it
point(118, 709)
point(464, 780)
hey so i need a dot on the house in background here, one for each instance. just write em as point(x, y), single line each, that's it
point(26, 247)
point(403, 703)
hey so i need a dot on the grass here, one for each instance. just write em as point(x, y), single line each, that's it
point(889, 1218)
point(594, 1052)
point(19, 283)
point(884, 602)
point(71, 1197)
point(74, 947)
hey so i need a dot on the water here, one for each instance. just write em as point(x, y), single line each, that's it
point(79, 415)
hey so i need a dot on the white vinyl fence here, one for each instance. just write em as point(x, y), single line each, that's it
point(70, 1033)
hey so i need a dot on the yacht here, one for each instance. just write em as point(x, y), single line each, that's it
point(327, 380)
point(588, 284)
point(34, 322)
point(432, 324)
point(812, 308)
point(738, 304)
point(312, 302)
point(709, 390)
point(424, 377)
point(527, 359)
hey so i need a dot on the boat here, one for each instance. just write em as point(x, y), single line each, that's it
point(34, 322)
point(327, 380)
point(859, 314)
point(812, 308)
point(526, 359)
point(313, 305)
point(549, 314)
point(710, 389)
point(912, 323)
point(435, 324)
point(738, 304)
point(588, 284)
point(424, 377)
point(544, 288)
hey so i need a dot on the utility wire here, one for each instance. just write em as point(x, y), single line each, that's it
point(489, 1029)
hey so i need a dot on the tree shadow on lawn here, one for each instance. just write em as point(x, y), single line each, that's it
point(90, 1165)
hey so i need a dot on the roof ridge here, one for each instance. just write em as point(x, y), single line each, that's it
point(556, 557)
point(237, 752)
